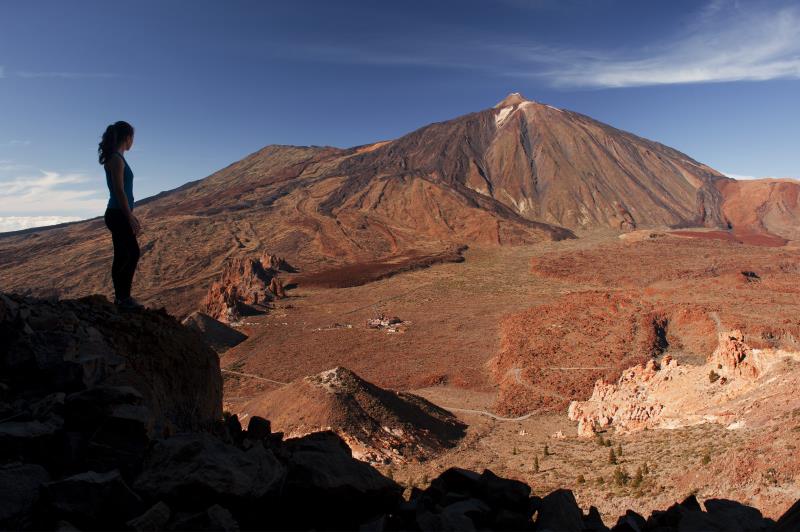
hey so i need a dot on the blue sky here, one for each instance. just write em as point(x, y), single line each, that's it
point(207, 82)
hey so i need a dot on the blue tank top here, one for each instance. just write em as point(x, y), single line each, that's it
point(127, 186)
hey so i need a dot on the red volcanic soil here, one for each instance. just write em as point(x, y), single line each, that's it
point(661, 294)
point(555, 352)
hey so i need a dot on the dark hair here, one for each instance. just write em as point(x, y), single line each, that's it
point(112, 138)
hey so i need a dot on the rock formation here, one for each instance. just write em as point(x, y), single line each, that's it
point(380, 426)
point(669, 395)
point(243, 286)
point(734, 357)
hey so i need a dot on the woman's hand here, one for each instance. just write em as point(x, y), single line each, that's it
point(136, 226)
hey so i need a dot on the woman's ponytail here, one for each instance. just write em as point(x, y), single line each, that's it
point(112, 138)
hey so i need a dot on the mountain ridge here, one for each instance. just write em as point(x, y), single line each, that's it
point(517, 174)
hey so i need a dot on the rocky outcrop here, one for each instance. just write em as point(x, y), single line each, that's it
point(244, 287)
point(668, 394)
point(82, 363)
point(734, 357)
point(379, 425)
point(622, 405)
point(218, 335)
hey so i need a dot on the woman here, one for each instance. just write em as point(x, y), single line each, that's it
point(124, 226)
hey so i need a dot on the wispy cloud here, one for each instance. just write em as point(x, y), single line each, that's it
point(747, 177)
point(15, 143)
point(64, 75)
point(51, 193)
point(17, 223)
point(725, 42)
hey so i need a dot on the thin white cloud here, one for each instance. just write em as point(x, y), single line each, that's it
point(15, 143)
point(51, 194)
point(17, 223)
point(63, 75)
point(740, 176)
point(725, 42)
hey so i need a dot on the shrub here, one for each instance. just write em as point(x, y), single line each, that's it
point(619, 449)
point(581, 480)
point(706, 459)
point(536, 464)
point(638, 478)
point(621, 477)
point(612, 458)
point(546, 451)
point(713, 376)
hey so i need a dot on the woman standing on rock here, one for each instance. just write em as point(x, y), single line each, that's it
point(119, 218)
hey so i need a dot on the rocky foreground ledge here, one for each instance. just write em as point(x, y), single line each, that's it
point(113, 421)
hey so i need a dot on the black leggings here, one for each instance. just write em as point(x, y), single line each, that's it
point(126, 252)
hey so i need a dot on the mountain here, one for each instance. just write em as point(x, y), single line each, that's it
point(519, 172)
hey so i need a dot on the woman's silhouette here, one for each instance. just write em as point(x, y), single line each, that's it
point(119, 218)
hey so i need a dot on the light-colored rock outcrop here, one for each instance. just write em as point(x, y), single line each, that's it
point(670, 395)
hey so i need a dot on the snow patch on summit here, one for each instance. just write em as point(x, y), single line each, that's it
point(502, 114)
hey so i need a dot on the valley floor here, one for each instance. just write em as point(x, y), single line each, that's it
point(459, 318)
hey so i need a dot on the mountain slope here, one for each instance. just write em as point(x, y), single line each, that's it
point(517, 173)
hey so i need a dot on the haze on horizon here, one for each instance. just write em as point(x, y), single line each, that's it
point(204, 87)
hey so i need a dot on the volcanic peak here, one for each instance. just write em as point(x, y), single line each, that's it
point(514, 98)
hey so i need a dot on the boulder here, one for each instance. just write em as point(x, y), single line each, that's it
point(631, 521)
point(789, 520)
point(20, 486)
point(202, 468)
point(735, 516)
point(559, 511)
point(258, 428)
point(467, 514)
point(93, 499)
point(153, 519)
point(214, 518)
point(503, 492)
point(322, 474)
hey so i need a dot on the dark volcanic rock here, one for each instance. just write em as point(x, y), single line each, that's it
point(20, 486)
point(323, 474)
point(560, 511)
point(200, 467)
point(96, 455)
point(93, 499)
